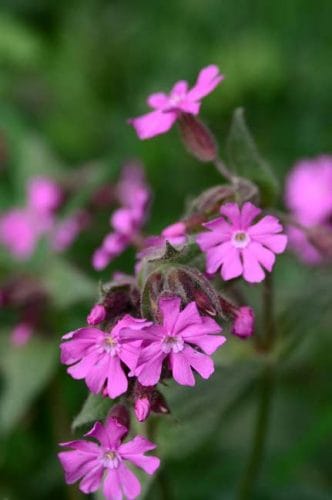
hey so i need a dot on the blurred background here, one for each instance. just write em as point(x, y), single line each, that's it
point(71, 74)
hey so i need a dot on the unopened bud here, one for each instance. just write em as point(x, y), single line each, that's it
point(321, 238)
point(158, 403)
point(243, 325)
point(96, 315)
point(197, 138)
point(142, 408)
point(121, 415)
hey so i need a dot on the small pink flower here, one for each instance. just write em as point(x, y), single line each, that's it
point(127, 221)
point(167, 108)
point(96, 315)
point(66, 231)
point(105, 461)
point(99, 357)
point(19, 232)
point(309, 198)
point(239, 247)
point(309, 190)
point(244, 322)
point(173, 341)
point(21, 334)
point(44, 195)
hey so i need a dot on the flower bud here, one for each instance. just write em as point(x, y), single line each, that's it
point(197, 138)
point(158, 403)
point(142, 408)
point(21, 334)
point(321, 238)
point(243, 325)
point(121, 414)
point(96, 315)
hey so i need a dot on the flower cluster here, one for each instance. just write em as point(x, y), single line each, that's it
point(22, 228)
point(164, 323)
point(127, 221)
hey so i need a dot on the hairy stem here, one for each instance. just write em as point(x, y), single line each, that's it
point(223, 170)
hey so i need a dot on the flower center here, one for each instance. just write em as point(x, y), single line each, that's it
point(111, 460)
point(172, 343)
point(175, 100)
point(240, 239)
point(111, 345)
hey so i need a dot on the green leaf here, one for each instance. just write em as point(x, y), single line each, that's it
point(245, 159)
point(26, 370)
point(196, 412)
point(65, 283)
point(95, 407)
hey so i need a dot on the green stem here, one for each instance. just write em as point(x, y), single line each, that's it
point(259, 438)
point(265, 342)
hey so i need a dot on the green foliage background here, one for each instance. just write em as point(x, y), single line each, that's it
point(71, 73)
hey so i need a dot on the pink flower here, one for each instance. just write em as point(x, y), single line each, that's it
point(21, 334)
point(99, 357)
point(167, 108)
point(239, 247)
point(127, 221)
point(44, 195)
point(309, 197)
point(173, 341)
point(309, 190)
point(105, 461)
point(20, 231)
point(243, 325)
point(66, 231)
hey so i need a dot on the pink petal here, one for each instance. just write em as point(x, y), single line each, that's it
point(190, 107)
point(110, 434)
point(81, 445)
point(269, 224)
point(209, 239)
point(138, 445)
point(148, 464)
point(187, 317)
point(252, 271)
point(81, 369)
point(96, 377)
point(207, 343)
point(275, 242)
point(117, 382)
point(232, 212)
point(123, 222)
point(153, 123)
point(181, 369)
point(130, 484)
point(129, 354)
point(112, 485)
point(232, 265)
point(207, 81)
point(216, 256)
point(180, 88)
point(149, 372)
point(203, 326)
point(170, 309)
point(248, 214)
point(91, 482)
point(200, 362)
point(220, 225)
point(264, 256)
point(76, 464)
point(158, 100)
